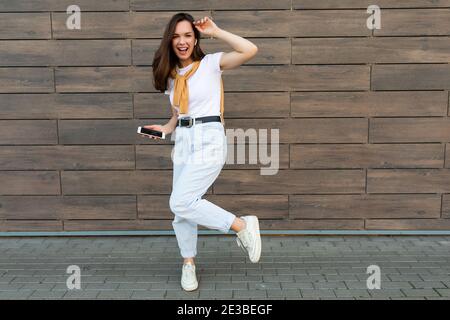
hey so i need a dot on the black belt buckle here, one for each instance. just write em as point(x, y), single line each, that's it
point(186, 122)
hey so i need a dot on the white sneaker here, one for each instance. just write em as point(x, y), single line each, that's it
point(188, 278)
point(250, 239)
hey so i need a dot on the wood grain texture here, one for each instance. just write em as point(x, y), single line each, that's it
point(66, 106)
point(414, 22)
point(31, 225)
point(60, 157)
point(104, 79)
point(23, 80)
point(410, 130)
point(69, 207)
point(408, 181)
point(411, 77)
point(297, 78)
point(373, 206)
point(363, 4)
point(25, 26)
point(61, 5)
point(371, 50)
point(288, 23)
point(408, 224)
point(137, 5)
point(116, 182)
point(30, 183)
point(290, 182)
point(446, 206)
point(362, 115)
point(303, 156)
point(65, 52)
point(28, 132)
point(369, 104)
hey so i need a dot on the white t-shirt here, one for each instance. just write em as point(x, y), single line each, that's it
point(204, 87)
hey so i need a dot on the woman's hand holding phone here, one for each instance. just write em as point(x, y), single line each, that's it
point(157, 127)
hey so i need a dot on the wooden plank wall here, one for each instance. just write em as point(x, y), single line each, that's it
point(363, 115)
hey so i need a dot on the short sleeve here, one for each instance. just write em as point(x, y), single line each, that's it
point(214, 61)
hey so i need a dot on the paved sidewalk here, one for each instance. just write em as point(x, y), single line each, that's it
point(291, 267)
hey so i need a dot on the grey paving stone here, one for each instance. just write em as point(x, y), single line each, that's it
point(134, 286)
point(81, 294)
point(115, 294)
point(181, 294)
point(386, 293)
point(149, 267)
point(420, 292)
point(274, 293)
point(306, 293)
point(149, 294)
point(215, 294)
point(245, 294)
point(428, 284)
point(443, 292)
point(231, 286)
point(42, 294)
point(354, 293)
point(297, 285)
point(15, 295)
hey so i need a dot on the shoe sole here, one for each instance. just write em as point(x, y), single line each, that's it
point(190, 288)
point(254, 223)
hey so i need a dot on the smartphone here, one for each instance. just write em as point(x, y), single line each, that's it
point(151, 132)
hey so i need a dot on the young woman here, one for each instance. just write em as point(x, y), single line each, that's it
point(194, 85)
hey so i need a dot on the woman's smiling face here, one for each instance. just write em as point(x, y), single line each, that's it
point(183, 42)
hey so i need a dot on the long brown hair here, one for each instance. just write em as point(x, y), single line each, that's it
point(165, 58)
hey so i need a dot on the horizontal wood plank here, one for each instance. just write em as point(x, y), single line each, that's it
point(411, 77)
point(312, 224)
point(297, 78)
point(31, 225)
point(28, 132)
point(290, 182)
point(23, 80)
point(288, 23)
point(371, 50)
point(408, 181)
point(414, 22)
point(117, 225)
point(66, 106)
point(66, 157)
point(363, 4)
point(62, 5)
point(116, 182)
point(332, 156)
point(368, 104)
point(408, 224)
point(364, 206)
point(30, 183)
point(65, 52)
point(104, 79)
point(69, 207)
point(137, 5)
point(409, 130)
point(25, 26)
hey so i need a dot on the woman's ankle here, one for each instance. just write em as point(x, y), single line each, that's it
point(238, 224)
point(189, 260)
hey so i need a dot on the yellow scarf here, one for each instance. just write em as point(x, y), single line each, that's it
point(181, 90)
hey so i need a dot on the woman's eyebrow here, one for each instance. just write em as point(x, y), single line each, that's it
point(184, 33)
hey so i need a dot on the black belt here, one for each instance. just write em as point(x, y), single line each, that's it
point(189, 121)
